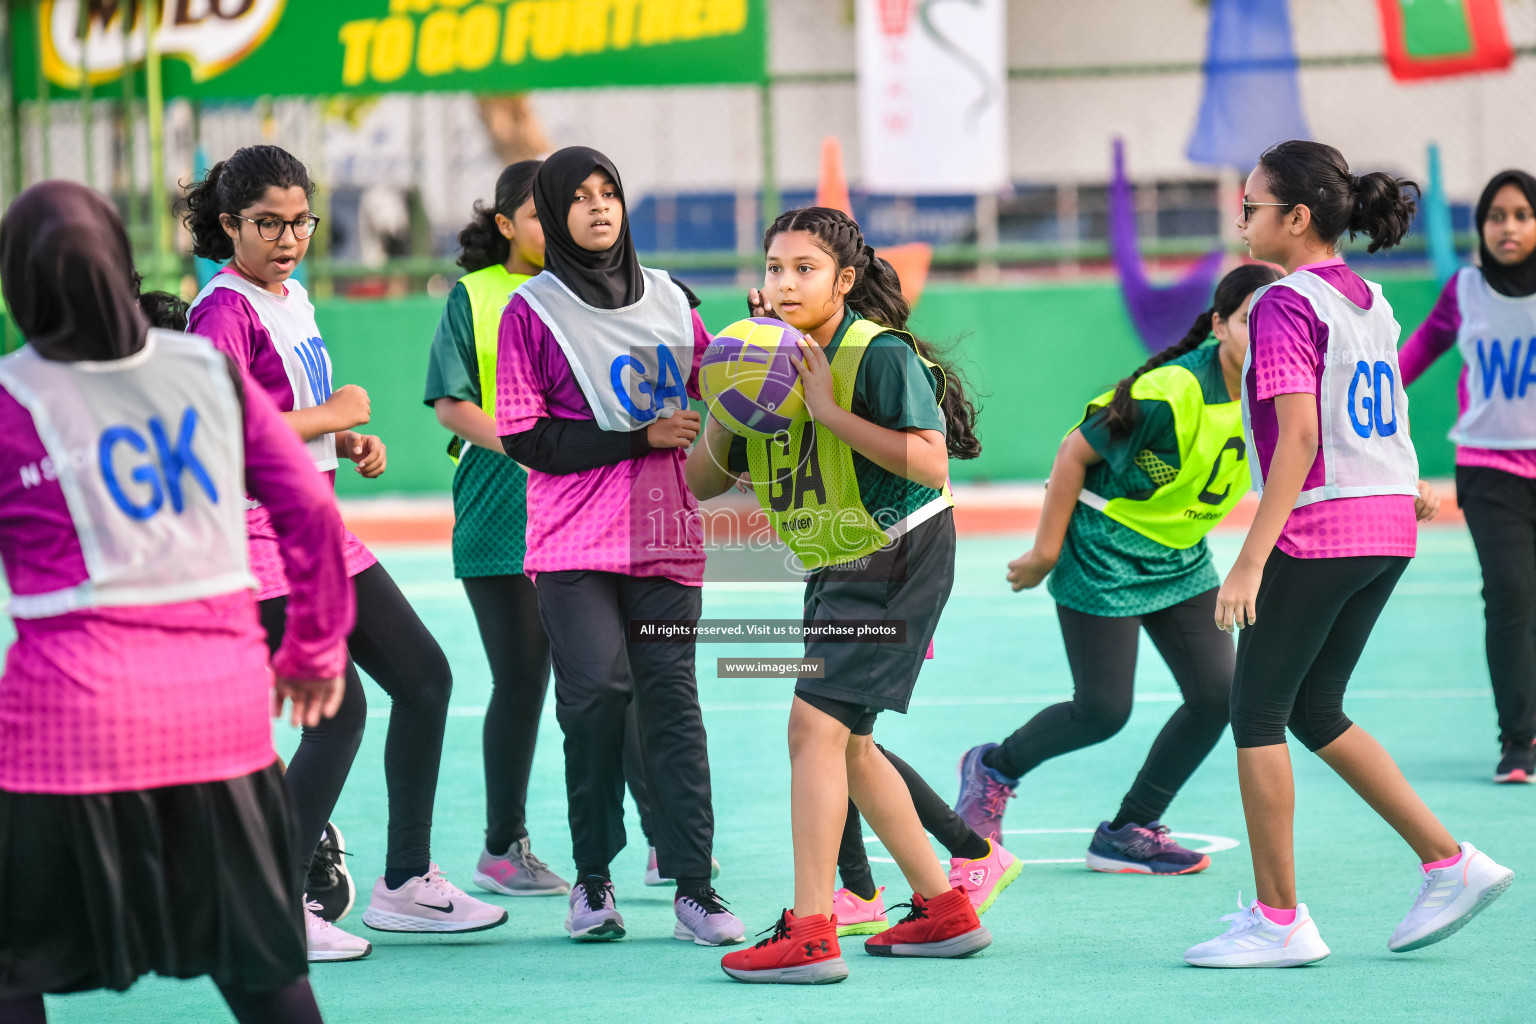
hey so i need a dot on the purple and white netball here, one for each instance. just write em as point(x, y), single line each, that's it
point(748, 381)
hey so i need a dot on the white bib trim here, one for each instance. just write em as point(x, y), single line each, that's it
point(149, 453)
point(290, 323)
point(1362, 406)
point(632, 364)
point(1497, 342)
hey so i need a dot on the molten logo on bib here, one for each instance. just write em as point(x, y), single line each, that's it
point(211, 35)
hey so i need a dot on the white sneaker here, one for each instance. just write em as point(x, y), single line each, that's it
point(1254, 940)
point(653, 873)
point(1449, 897)
point(327, 943)
point(429, 903)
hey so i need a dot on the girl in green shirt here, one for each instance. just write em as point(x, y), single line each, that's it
point(1152, 467)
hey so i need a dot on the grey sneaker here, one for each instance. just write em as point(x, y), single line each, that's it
point(518, 873)
point(593, 916)
point(704, 920)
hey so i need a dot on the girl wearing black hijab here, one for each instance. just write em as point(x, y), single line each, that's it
point(596, 360)
point(1488, 312)
point(144, 823)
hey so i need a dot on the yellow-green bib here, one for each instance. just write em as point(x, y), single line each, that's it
point(488, 290)
point(1213, 463)
point(806, 482)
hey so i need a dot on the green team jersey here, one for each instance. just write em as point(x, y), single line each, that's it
point(895, 389)
point(1107, 568)
point(490, 504)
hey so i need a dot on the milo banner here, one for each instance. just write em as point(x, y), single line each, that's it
point(244, 48)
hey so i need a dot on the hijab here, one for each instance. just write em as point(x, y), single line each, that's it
point(1519, 280)
point(609, 279)
point(67, 274)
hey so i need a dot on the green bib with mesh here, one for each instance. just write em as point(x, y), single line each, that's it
point(1212, 475)
point(807, 484)
point(489, 289)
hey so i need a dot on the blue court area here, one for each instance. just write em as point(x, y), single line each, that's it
point(1070, 944)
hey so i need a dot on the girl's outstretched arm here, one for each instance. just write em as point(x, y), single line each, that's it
point(1066, 484)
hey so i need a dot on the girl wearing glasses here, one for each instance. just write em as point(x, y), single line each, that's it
point(1326, 424)
point(1485, 311)
point(252, 212)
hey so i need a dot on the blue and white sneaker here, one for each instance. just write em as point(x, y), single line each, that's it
point(984, 794)
point(1142, 850)
point(704, 921)
point(1253, 940)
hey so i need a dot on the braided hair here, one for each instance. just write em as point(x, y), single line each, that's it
point(1121, 412)
point(876, 294)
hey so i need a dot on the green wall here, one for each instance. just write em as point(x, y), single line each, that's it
point(1033, 356)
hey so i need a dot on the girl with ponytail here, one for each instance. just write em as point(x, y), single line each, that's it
point(860, 494)
point(1325, 420)
point(1153, 465)
point(252, 210)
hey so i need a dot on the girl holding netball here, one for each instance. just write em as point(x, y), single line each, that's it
point(1485, 311)
point(1153, 466)
point(1326, 423)
point(597, 358)
point(865, 485)
point(144, 824)
point(253, 211)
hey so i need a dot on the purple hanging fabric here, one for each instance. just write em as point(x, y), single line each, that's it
point(1162, 313)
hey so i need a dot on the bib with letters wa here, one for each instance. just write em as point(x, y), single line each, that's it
point(149, 452)
point(1497, 340)
point(290, 323)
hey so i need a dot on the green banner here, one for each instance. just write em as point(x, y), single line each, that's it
point(229, 49)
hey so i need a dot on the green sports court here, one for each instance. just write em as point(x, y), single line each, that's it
point(1069, 944)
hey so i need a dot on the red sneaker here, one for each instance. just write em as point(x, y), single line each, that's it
point(945, 926)
point(801, 951)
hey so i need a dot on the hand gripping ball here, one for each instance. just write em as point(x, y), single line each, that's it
point(747, 380)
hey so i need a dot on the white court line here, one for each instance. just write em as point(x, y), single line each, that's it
point(473, 711)
point(1213, 844)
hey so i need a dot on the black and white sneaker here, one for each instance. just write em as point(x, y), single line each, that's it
point(1518, 763)
point(329, 885)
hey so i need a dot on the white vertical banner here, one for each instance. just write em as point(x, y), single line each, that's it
point(933, 95)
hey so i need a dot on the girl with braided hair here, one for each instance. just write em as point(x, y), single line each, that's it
point(860, 494)
point(1151, 468)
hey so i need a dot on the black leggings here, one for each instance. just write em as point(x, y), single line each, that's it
point(1314, 616)
point(1101, 651)
point(390, 643)
point(507, 613)
point(294, 1004)
point(938, 818)
point(1501, 514)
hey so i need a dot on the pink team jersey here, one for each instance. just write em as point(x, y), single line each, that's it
point(635, 517)
point(1435, 336)
point(228, 319)
point(1288, 345)
point(121, 698)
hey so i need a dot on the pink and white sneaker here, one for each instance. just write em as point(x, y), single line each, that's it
point(984, 878)
point(429, 903)
point(858, 916)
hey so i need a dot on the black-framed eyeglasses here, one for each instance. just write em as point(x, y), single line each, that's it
point(271, 228)
point(1248, 208)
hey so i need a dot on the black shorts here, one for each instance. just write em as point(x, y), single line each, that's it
point(99, 889)
point(908, 581)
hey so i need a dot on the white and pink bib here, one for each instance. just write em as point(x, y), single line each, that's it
point(1362, 405)
point(149, 452)
point(1497, 341)
point(290, 323)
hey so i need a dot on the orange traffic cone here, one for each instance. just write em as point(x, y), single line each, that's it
point(911, 261)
